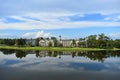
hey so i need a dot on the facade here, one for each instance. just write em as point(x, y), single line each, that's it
point(52, 42)
point(42, 42)
point(45, 42)
point(77, 43)
point(49, 42)
point(66, 42)
point(73, 43)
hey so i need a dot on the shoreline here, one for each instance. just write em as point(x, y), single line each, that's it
point(55, 48)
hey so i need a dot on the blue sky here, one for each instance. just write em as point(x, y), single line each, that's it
point(69, 18)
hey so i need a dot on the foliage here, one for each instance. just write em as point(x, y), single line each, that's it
point(7, 41)
point(20, 42)
point(92, 41)
point(55, 41)
point(50, 44)
point(37, 42)
point(117, 43)
point(73, 44)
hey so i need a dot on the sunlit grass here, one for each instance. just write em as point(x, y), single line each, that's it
point(54, 48)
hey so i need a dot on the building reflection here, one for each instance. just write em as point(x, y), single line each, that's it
point(99, 56)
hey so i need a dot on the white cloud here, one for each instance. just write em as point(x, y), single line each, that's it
point(4, 35)
point(53, 14)
point(36, 34)
point(56, 25)
point(113, 18)
point(52, 21)
point(115, 35)
point(8, 35)
point(12, 7)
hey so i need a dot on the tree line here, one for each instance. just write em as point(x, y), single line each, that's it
point(92, 41)
point(102, 41)
point(15, 42)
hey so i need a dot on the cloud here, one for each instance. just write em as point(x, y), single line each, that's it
point(13, 7)
point(56, 14)
point(57, 25)
point(115, 35)
point(36, 34)
point(2, 35)
point(25, 15)
point(53, 21)
point(8, 35)
point(113, 18)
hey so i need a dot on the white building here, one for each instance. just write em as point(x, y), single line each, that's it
point(66, 42)
point(49, 42)
point(45, 42)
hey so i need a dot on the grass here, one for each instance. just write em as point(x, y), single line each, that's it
point(54, 48)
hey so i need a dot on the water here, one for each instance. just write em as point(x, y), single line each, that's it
point(54, 65)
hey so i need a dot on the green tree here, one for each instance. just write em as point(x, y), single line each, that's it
point(73, 44)
point(50, 44)
point(7, 41)
point(55, 41)
point(117, 43)
point(37, 41)
point(20, 42)
point(60, 45)
point(103, 41)
point(82, 42)
point(92, 41)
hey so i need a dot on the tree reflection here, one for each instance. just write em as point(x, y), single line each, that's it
point(92, 55)
point(73, 54)
point(7, 51)
point(97, 55)
point(20, 54)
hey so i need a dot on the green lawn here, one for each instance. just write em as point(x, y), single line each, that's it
point(53, 48)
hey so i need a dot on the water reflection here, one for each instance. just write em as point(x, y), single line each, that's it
point(92, 55)
point(59, 65)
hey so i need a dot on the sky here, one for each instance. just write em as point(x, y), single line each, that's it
point(68, 18)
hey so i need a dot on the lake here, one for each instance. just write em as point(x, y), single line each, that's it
point(59, 65)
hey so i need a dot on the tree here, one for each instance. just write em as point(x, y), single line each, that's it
point(82, 42)
point(91, 41)
point(117, 43)
point(7, 41)
point(55, 41)
point(50, 44)
point(37, 42)
point(20, 42)
point(60, 45)
point(73, 44)
point(103, 41)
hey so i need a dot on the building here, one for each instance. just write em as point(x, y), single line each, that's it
point(66, 42)
point(77, 43)
point(45, 42)
point(73, 43)
point(42, 42)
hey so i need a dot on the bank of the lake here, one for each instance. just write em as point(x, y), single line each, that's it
point(54, 48)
